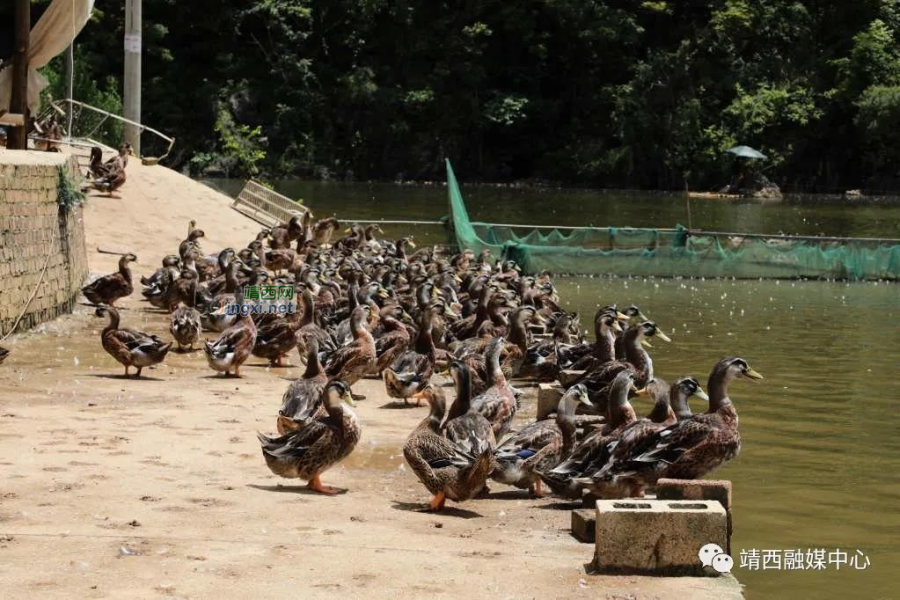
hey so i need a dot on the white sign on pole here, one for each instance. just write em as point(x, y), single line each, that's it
point(133, 43)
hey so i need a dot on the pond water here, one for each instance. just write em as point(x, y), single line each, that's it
point(820, 464)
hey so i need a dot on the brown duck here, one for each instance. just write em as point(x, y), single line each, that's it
point(110, 288)
point(354, 360)
point(302, 401)
point(131, 348)
point(447, 469)
point(229, 351)
point(692, 447)
point(319, 444)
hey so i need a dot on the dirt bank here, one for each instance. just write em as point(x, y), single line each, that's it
point(122, 488)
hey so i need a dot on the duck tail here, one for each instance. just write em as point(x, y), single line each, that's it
point(480, 470)
point(268, 444)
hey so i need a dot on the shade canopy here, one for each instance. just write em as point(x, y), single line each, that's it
point(746, 152)
point(54, 31)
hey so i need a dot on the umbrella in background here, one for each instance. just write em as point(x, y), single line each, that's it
point(746, 152)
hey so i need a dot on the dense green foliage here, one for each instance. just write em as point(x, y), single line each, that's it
point(605, 92)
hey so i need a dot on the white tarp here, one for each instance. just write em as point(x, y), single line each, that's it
point(54, 31)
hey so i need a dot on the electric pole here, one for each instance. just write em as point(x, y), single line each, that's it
point(18, 102)
point(132, 99)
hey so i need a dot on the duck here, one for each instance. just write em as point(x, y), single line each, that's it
point(184, 325)
point(324, 229)
point(568, 478)
point(412, 370)
point(181, 291)
point(634, 317)
point(110, 288)
point(130, 347)
point(690, 448)
point(214, 318)
point(112, 175)
point(638, 361)
point(302, 401)
point(96, 168)
point(233, 346)
point(163, 276)
point(446, 468)
point(282, 235)
point(319, 444)
point(393, 340)
point(464, 425)
point(276, 338)
point(540, 446)
point(352, 361)
point(309, 328)
point(498, 404)
point(190, 243)
point(638, 433)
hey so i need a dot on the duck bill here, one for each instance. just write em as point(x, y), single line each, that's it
point(663, 336)
point(701, 394)
point(411, 244)
point(616, 326)
point(583, 399)
point(348, 399)
point(640, 392)
point(646, 343)
point(622, 316)
point(751, 374)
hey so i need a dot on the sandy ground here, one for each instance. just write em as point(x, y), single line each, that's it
point(121, 488)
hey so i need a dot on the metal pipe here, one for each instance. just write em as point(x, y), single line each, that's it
point(390, 222)
point(565, 227)
point(806, 238)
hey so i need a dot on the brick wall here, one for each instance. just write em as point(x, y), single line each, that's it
point(34, 232)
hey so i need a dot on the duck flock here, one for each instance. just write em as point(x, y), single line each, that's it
point(366, 307)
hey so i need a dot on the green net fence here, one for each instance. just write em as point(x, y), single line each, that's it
point(676, 252)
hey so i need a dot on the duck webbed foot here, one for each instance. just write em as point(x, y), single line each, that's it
point(315, 484)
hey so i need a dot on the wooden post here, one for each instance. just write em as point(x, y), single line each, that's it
point(18, 104)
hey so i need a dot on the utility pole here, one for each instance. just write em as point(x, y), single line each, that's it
point(70, 85)
point(18, 103)
point(133, 73)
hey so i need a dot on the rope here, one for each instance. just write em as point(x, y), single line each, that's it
point(33, 292)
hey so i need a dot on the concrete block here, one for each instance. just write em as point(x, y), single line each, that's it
point(695, 489)
point(584, 524)
point(658, 537)
point(548, 399)
point(567, 377)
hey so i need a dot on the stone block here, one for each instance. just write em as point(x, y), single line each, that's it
point(567, 377)
point(695, 489)
point(548, 399)
point(584, 524)
point(656, 537)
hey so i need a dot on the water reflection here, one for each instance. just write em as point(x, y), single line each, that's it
point(591, 207)
point(819, 465)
